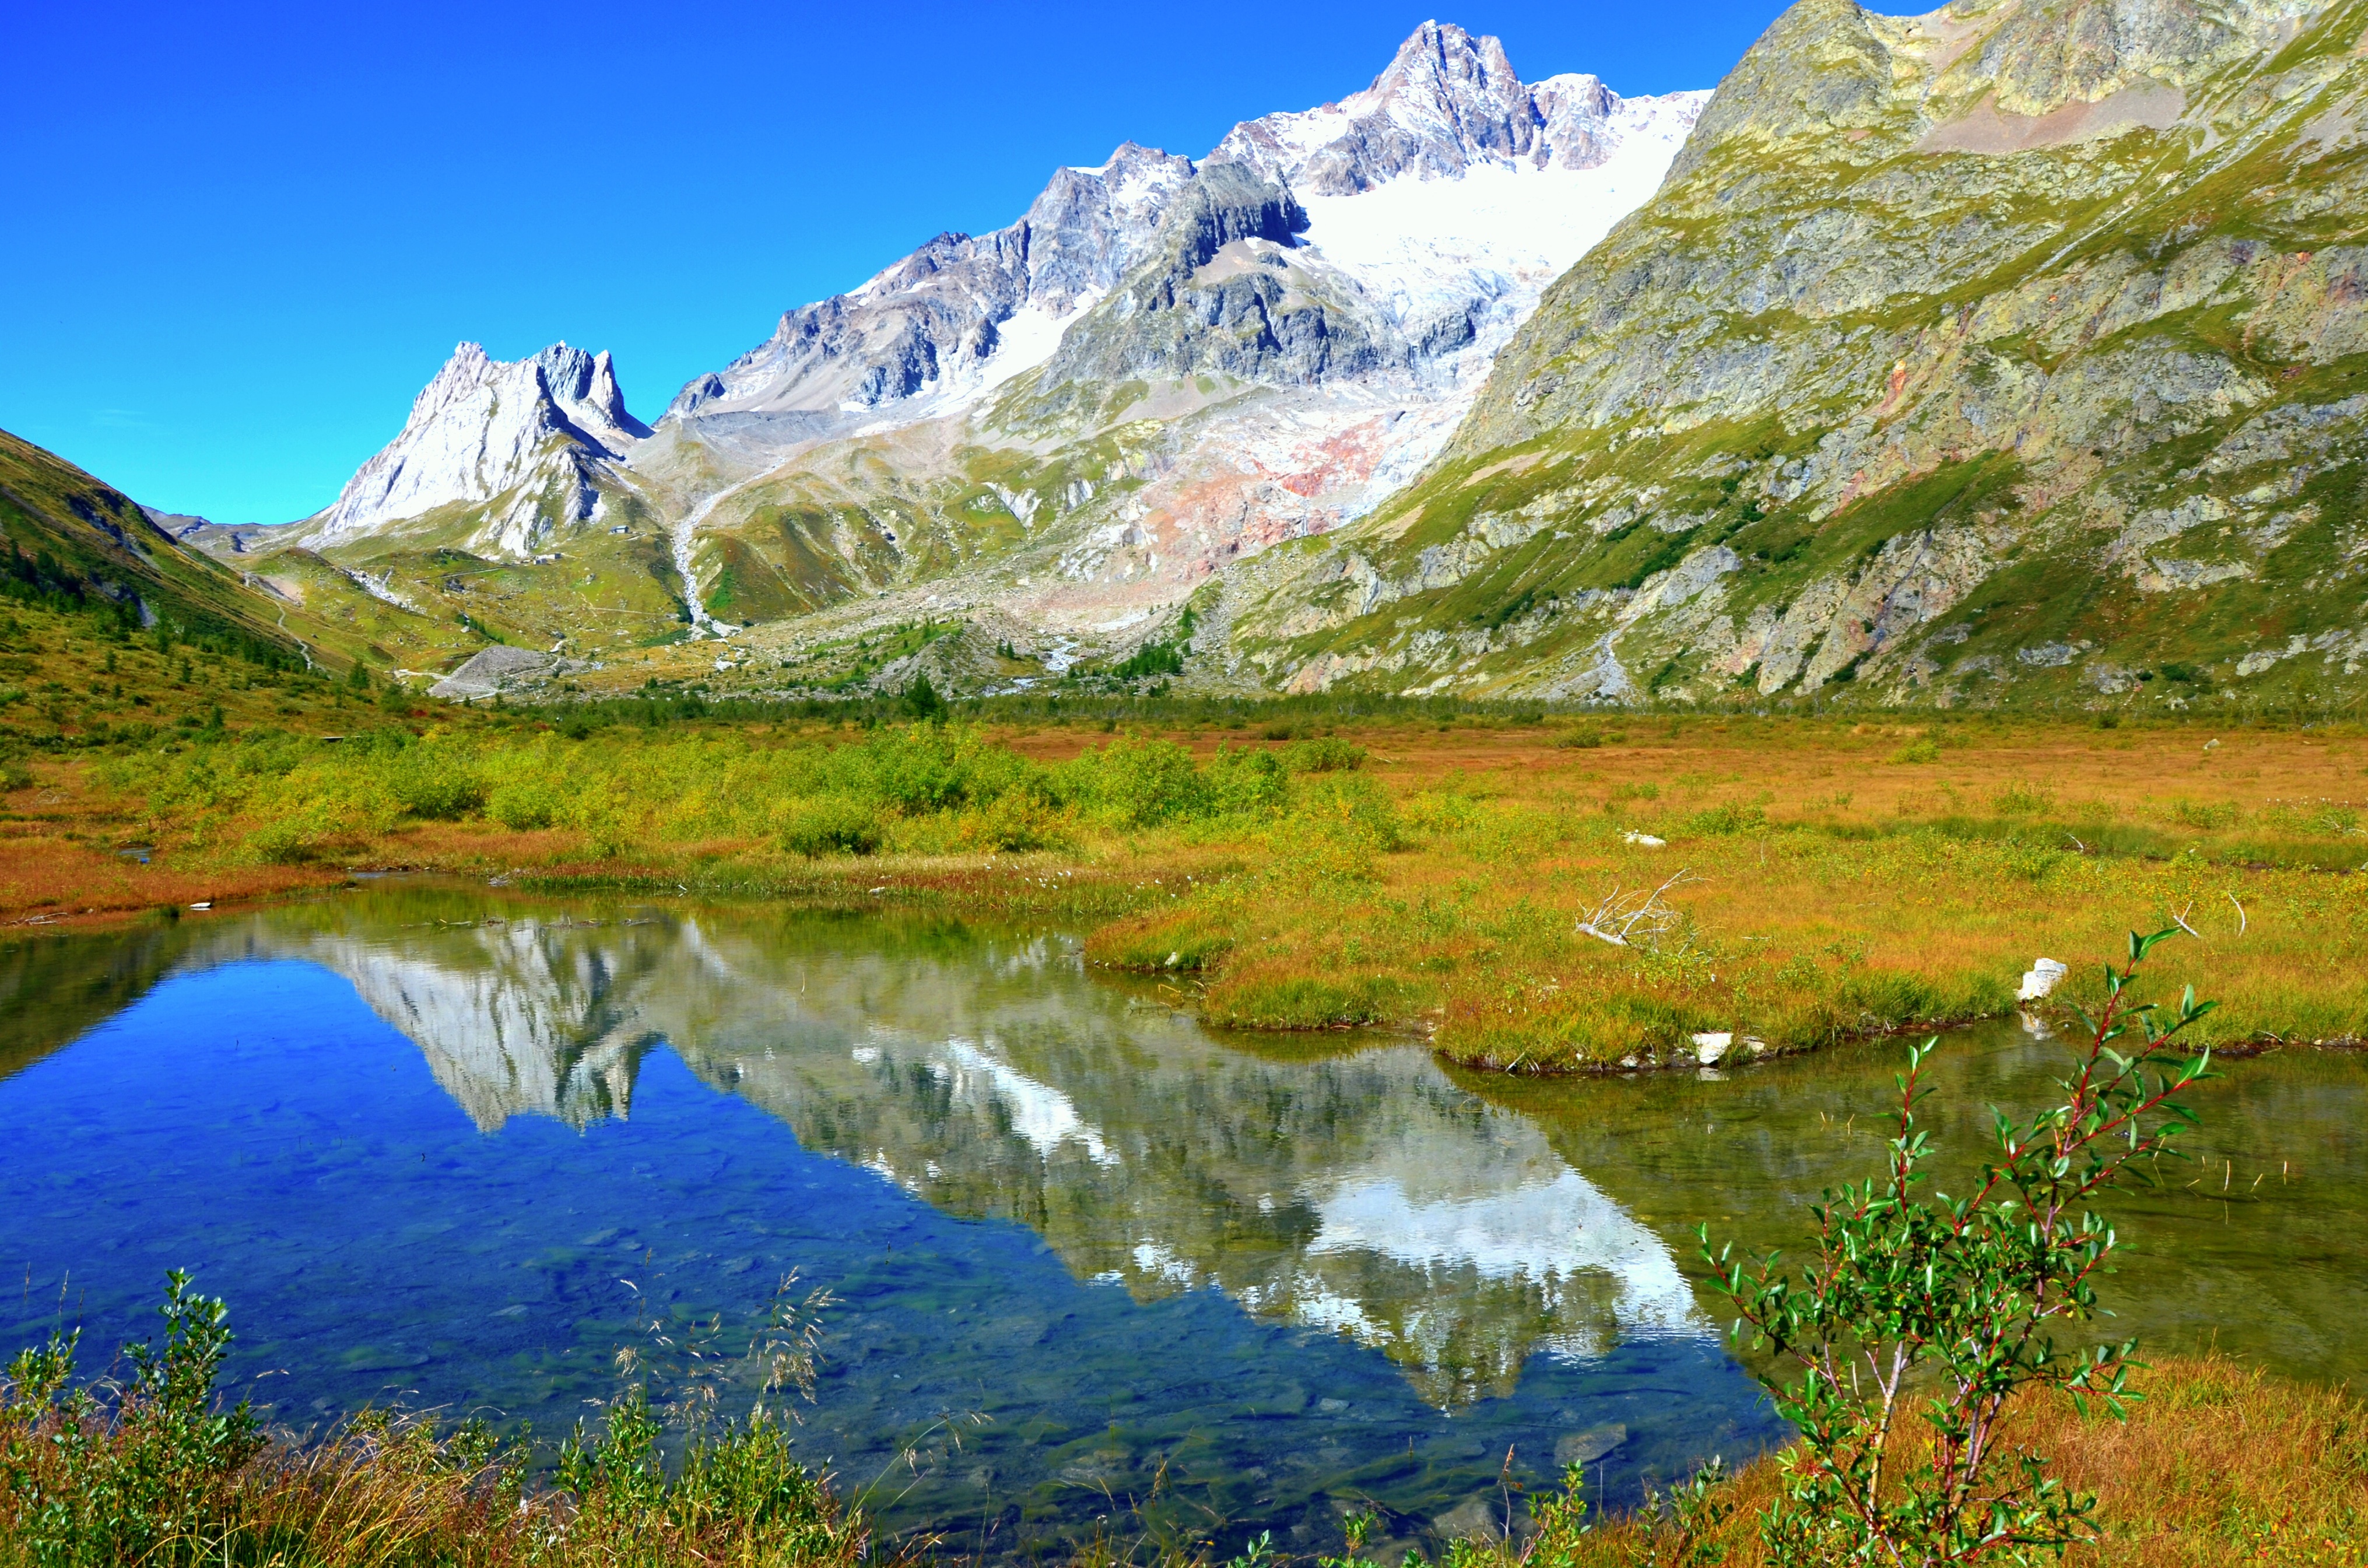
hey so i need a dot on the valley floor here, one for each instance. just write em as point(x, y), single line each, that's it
point(1783, 882)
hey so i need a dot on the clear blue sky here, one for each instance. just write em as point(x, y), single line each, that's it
point(242, 236)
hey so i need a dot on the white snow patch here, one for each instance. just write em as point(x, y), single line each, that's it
point(1040, 1113)
point(1502, 232)
point(1559, 1228)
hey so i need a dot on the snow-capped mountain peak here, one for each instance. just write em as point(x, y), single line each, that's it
point(963, 314)
point(1448, 103)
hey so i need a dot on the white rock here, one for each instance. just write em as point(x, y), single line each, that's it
point(1709, 1048)
point(1647, 839)
point(2040, 980)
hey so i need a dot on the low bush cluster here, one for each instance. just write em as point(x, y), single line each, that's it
point(157, 1472)
point(922, 788)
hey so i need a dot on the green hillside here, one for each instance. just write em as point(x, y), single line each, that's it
point(2009, 354)
point(74, 545)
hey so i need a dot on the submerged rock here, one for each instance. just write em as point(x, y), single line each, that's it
point(1586, 1448)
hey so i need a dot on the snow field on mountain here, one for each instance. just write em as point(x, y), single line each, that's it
point(1419, 247)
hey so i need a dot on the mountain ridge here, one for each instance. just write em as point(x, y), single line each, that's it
point(1925, 378)
point(1070, 422)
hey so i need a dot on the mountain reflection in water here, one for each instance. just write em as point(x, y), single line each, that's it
point(992, 1078)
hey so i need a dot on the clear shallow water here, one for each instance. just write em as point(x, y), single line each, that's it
point(450, 1151)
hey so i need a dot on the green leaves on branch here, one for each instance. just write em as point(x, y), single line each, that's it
point(1946, 1309)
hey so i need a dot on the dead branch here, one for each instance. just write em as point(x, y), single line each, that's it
point(1624, 919)
point(2180, 920)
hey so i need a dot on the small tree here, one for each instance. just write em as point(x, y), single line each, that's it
point(921, 699)
point(1948, 1307)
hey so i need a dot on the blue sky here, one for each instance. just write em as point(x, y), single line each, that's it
point(242, 237)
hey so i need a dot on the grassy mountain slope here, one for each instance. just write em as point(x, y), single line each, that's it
point(75, 543)
point(444, 590)
point(85, 551)
point(2009, 353)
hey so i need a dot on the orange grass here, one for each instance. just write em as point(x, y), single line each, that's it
point(1841, 878)
point(2219, 1465)
point(1876, 895)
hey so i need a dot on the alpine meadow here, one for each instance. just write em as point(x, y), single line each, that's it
point(1509, 826)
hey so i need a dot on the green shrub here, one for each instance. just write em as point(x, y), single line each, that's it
point(1953, 1305)
point(1139, 782)
point(1018, 820)
point(1352, 809)
point(2020, 800)
point(830, 825)
point(1247, 781)
point(2205, 814)
point(524, 804)
point(1726, 819)
point(1328, 753)
point(94, 1484)
point(285, 841)
point(915, 768)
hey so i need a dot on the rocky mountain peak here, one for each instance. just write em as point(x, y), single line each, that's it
point(483, 427)
point(964, 314)
point(1447, 103)
point(1443, 75)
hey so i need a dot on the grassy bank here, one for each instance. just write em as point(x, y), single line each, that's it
point(2217, 1464)
point(1829, 879)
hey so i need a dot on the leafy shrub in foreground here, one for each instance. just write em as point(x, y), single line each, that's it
point(165, 1478)
point(1945, 1309)
point(81, 1482)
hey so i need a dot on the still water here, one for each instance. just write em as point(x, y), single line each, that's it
point(1090, 1261)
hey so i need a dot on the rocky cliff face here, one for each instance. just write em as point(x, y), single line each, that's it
point(954, 319)
point(2009, 349)
point(965, 314)
point(533, 435)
